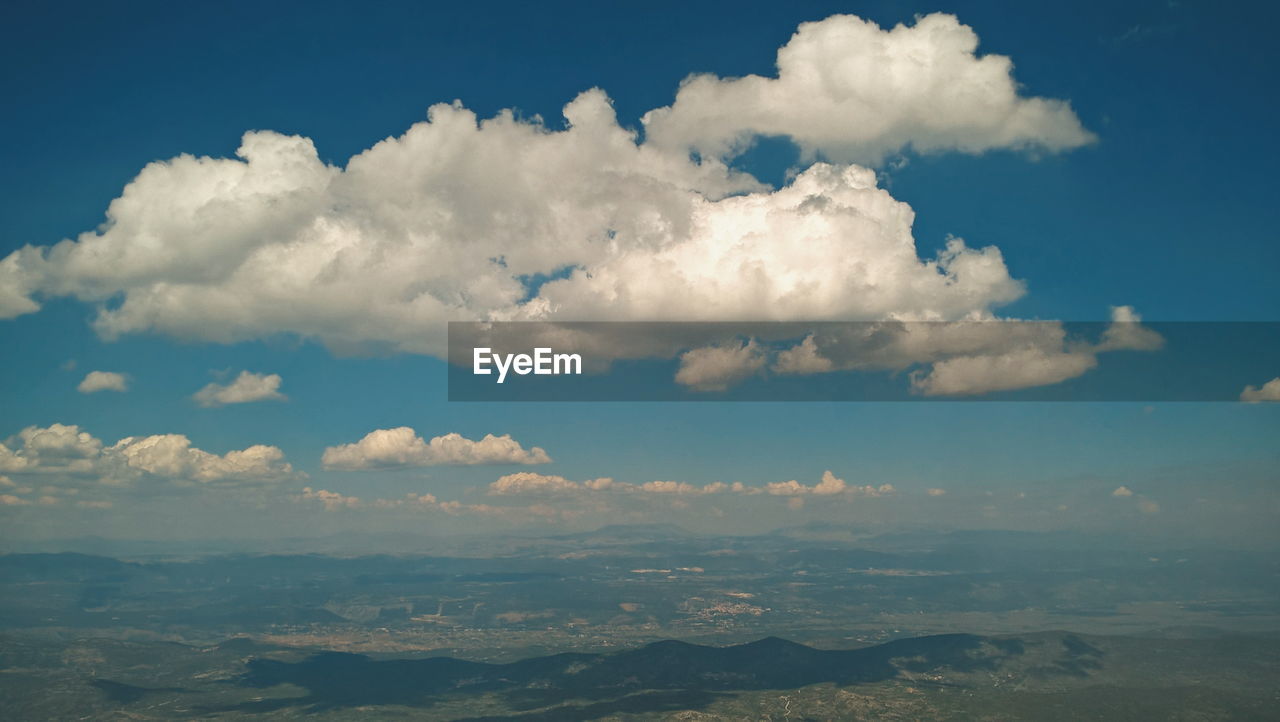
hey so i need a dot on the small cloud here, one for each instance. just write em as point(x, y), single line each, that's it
point(716, 368)
point(786, 488)
point(1122, 492)
point(1126, 333)
point(1146, 506)
point(937, 492)
point(803, 358)
point(829, 485)
point(1017, 369)
point(668, 487)
point(528, 482)
point(247, 387)
point(1270, 391)
point(103, 381)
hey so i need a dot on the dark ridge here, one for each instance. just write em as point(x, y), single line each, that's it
point(628, 531)
point(63, 566)
point(338, 680)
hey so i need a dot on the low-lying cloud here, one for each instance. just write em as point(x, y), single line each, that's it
point(64, 460)
point(402, 447)
point(526, 482)
point(1270, 391)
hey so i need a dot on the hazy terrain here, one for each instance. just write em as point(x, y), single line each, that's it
point(809, 622)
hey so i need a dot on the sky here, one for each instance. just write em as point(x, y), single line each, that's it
point(245, 336)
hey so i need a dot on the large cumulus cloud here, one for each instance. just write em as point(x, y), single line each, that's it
point(452, 219)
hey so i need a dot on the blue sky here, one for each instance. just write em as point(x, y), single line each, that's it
point(1171, 212)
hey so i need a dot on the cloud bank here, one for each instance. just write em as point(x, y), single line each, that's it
point(532, 483)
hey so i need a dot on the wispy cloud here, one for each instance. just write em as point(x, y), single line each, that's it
point(526, 482)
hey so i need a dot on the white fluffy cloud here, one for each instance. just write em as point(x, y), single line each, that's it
point(58, 448)
point(68, 460)
point(851, 91)
point(96, 381)
point(1270, 391)
point(527, 482)
point(1122, 492)
point(402, 447)
point(246, 388)
point(171, 456)
point(832, 485)
point(829, 246)
point(447, 221)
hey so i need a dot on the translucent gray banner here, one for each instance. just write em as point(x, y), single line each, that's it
point(864, 361)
